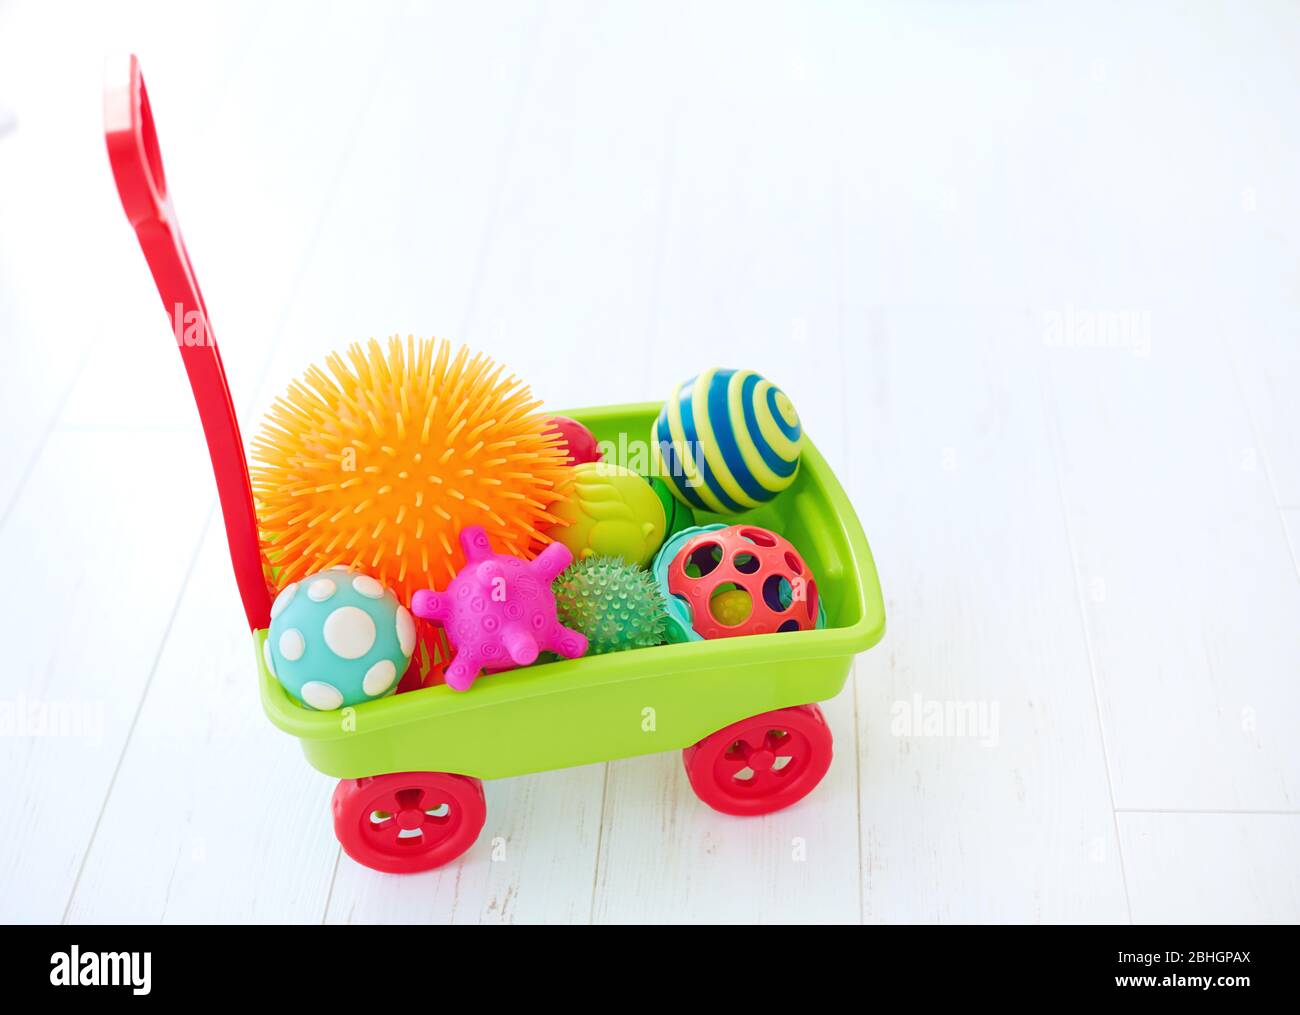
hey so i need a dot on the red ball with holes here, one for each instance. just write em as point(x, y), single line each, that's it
point(744, 580)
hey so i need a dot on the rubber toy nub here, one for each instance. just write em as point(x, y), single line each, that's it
point(499, 611)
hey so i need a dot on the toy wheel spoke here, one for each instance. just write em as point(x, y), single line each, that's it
point(769, 739)
point(417, 798)
point(735, 760)
point(781, 742)
point(435, 806)
point(437, 824)
point(789, 747)
point(388, 804)
point(380, 821)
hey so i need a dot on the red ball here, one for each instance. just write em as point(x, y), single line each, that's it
point(578, 441)
point(739, 561)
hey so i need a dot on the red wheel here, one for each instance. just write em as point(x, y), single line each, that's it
point(762, 763)
point(408, 821)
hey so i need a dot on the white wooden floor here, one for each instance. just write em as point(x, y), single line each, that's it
point(1032, 278)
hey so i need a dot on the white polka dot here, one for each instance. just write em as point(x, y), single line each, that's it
point(283, 600)
point(349, 632)
point(339, 567)
point(266, 656)
point(368, 587)
point(321, 695)
point(320, 590)
point(292, 644)
point(379, 678)
point(405, 631)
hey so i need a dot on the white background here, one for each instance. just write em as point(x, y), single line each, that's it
point(907, 215)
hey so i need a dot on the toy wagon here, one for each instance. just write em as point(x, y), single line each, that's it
point(410, 766)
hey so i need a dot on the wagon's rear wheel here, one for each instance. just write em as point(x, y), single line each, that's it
point(408, 821)
point(763, 763)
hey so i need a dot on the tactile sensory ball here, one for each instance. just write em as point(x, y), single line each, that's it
point(617, 606)
point(499, 611)
point(338, 638)
point(379, 459)
point(612, 512)
point(579, 444)
point(743, 579)
point(731, 607)
point(727, 441)
point(677, 515)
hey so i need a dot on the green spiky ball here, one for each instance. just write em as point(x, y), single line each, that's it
point(615, 604)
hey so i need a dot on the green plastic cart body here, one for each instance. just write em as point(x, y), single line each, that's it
point(599, 708)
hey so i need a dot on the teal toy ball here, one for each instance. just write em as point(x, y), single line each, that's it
point(680, 629)
point(616, 605)
point(338, 638)
point(727, 441)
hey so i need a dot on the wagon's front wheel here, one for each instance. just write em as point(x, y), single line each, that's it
point(408, 821)
point(763, 763)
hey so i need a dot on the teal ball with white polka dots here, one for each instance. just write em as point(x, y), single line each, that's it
point(338, 638)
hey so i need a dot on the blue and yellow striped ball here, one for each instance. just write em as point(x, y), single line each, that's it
point(727, 441)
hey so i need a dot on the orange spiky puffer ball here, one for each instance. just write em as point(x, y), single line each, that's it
point(379, 460)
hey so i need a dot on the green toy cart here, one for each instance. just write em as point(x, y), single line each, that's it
point(410, 796)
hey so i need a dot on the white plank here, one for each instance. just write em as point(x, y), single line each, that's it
point(1212, 868)
point(748, 273)
point(114, 564)
point(1188, 595)
point(1291, 522)
point(214, 814)
point(941, 158)
point(668, 858)
point(1263, 339)
point(250, 185)
point(100, 575)
point(397, 253)
point(1249, 205)
point(1002, 812)
point(1185, 574)
point(62, 232)
point(565, 286)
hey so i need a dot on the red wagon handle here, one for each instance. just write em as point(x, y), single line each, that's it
point(137, 167)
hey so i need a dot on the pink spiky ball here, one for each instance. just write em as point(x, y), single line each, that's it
point(499, 611)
